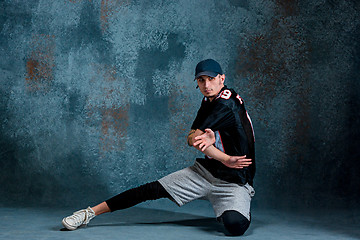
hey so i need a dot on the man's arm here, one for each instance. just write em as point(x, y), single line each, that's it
point(213, 152)
point(190, 137)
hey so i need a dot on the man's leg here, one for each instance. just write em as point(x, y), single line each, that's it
point(129, 198)
point(101, 208)
point(234, 222)
point(134, 196)
point(231, 203)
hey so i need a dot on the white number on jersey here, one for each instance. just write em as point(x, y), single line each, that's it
point(226, 94)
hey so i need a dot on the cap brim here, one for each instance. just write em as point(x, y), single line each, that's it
point(210, 74)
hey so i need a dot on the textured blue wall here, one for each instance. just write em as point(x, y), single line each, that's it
point(97, 95)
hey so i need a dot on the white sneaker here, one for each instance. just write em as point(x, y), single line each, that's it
point(78, 219)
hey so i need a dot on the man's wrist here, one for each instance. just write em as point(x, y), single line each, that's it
point(192, 131)
point(226, 159)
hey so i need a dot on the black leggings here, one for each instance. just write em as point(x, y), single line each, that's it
point(234, 222)
point(134, 196)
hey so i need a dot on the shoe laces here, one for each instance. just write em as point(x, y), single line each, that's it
point(83, 216)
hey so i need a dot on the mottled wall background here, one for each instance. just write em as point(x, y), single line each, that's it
point(97, 95)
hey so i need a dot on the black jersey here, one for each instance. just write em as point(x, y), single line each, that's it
point(227, 117)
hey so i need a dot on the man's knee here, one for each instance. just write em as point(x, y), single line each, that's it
point(235, 223)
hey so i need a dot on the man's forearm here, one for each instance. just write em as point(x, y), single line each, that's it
point(215, 153)
point(211, 151)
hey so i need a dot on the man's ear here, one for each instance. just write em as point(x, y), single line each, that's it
point(222, 77)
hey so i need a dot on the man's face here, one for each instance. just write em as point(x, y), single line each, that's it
point(210, 86)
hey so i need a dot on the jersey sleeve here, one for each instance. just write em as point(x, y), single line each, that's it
point(199, 117)
point(219, 117)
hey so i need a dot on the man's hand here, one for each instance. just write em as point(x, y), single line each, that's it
point(237, 162)
point(205, 140)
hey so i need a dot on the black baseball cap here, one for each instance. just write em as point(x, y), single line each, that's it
point(208, 67)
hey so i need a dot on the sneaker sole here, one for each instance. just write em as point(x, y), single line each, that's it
point(67, 226)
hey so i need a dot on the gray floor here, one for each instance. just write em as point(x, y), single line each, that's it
point(164, 220)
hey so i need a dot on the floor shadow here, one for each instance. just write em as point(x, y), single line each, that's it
point(209, 225)
point(145, 216)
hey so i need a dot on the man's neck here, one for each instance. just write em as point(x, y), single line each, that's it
point(216, 95)
point(211, 98)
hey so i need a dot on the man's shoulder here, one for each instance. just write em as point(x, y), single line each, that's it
point(229, 97)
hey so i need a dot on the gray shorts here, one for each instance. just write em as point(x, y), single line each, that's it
point(196, 182)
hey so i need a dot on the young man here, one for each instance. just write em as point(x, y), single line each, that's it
point(222, 130)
